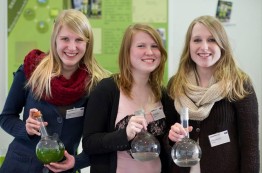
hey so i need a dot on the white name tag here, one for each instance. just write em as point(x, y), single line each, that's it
point(76, 112)
point(219, 138)
point(158, 113)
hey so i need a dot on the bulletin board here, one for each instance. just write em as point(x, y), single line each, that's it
point(29, 27)
point(30, 24)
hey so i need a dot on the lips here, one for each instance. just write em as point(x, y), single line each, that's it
point(148, 60)
point(204, 55)
point(70, 54)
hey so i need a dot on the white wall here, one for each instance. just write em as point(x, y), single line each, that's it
point(3, 51)
point(244, 32)
point(4, 137)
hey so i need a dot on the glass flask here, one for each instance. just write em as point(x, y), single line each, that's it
point(49, 148)
point(144, 146)
point(187, 152)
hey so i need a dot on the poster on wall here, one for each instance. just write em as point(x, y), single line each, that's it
point(224, 10)
point(31, 27)
point(109, 19)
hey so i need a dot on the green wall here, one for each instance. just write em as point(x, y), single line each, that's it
point(30, 24)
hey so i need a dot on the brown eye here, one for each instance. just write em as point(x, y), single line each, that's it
point(79, 40)
point(64, 38)
point(154, 46)
point(197, 40)
point(211, 40)
point(140, 45)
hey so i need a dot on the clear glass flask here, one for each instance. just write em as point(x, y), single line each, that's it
point(186, 153)
point(144, 146)
point(49, 148)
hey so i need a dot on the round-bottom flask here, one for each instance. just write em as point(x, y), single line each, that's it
point(186, 153)
point(49, 148)
point(144, 146)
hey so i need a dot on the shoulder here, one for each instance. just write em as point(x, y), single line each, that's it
point(107, 83)
point(20, 74)
point(164, 92)
point(166, 99)
point(105, 93)
point(170, 81)
point(249, 100)
point(248, 85)
point(18, 89)
point(106, 86)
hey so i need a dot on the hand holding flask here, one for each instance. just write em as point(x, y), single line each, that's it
point(186, 153)
point(49, 148)
point(144, 146)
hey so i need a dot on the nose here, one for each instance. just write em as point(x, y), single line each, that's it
point(149, 51)
point(71, 45)
point(204, 45)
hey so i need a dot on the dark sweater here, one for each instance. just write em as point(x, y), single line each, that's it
point(241, 154)
point(101, 141)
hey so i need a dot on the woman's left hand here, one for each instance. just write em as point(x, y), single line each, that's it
point(65, 165)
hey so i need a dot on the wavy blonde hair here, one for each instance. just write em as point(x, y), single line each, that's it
point(226, 70)
point(51, 65)
point(125, 78)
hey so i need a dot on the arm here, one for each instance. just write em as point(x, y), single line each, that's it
point(247, 119)
point(9, 118)
point(99, 134)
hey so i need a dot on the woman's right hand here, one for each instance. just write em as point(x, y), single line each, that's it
point(32, 124)
point(135, 125)
point(177, 132)
point(66, 164)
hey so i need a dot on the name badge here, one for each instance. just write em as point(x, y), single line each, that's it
point(219, 138)
point(76, 112)
point(158, 113)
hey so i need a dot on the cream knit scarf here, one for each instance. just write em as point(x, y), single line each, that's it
point(199, 100)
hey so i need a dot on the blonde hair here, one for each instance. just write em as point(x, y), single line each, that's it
point(125, 79)
point(226, 70)
point(51, 65)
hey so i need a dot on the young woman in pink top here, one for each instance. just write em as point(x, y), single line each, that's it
point(110, 126)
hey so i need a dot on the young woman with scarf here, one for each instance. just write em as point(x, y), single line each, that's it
point(223, 108)
point(56, 83)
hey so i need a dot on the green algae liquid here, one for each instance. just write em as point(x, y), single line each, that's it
point(49, 148)
point(2, 158)
point(48, 155)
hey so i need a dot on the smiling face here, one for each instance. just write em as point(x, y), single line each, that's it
point(204, 50)
point(70, 48)
point(145, 55)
